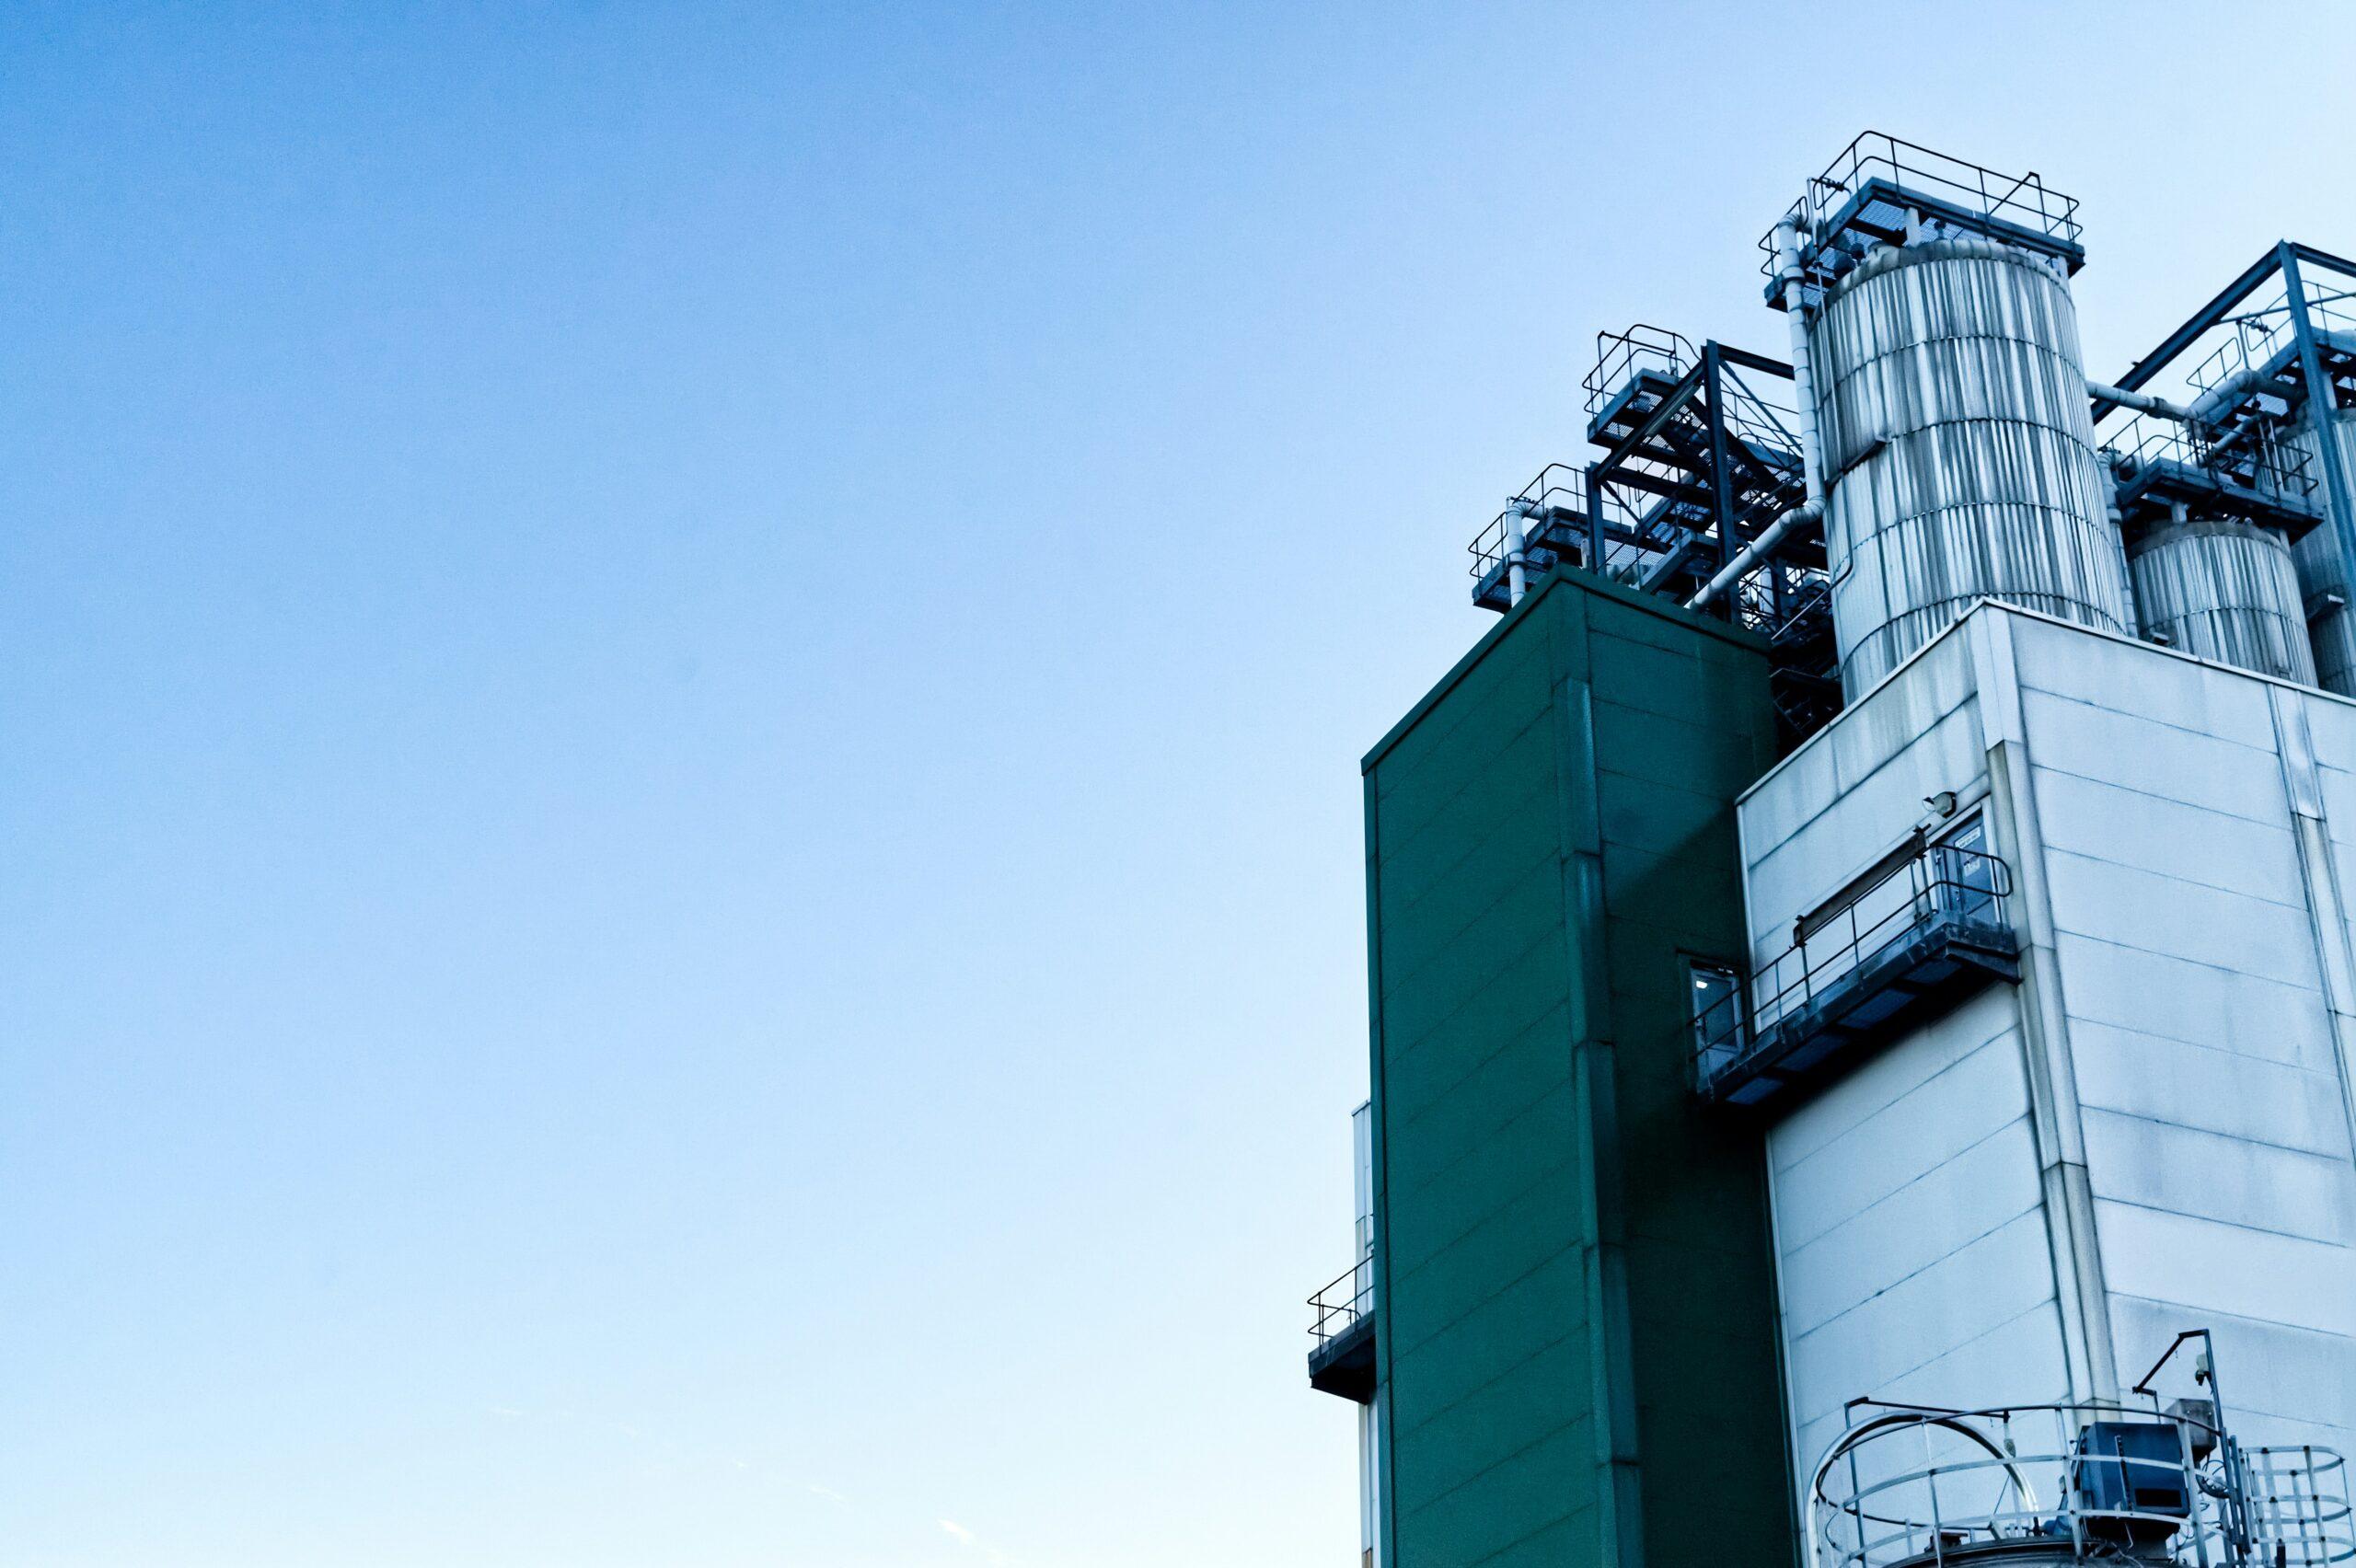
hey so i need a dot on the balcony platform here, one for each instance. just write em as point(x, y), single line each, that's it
point(1342, 1363)
point(1919, 975)
point(1342, 1327)
point(1909, 937)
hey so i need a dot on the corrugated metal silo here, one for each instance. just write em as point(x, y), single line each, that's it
point(1951, 397)
point(2226, 589)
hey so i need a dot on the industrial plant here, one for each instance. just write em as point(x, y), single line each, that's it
point(1861, 978)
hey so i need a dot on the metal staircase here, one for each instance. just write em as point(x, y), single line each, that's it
point(1696, 461)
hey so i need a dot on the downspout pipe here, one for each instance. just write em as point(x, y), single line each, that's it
point(1789, 271)
point(1518, 514)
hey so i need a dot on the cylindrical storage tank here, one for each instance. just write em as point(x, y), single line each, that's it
point(1959, 450)
point(2224, 590)
point(2332, 633)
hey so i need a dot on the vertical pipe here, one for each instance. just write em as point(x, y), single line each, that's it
point(1517, 545)
point(1787, 271)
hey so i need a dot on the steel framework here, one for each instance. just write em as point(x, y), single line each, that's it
point(1698, 456)
point(2256, 371)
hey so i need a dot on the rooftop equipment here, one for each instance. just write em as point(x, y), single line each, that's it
point(1700, 460)
point(1911, 1486)
point(2223, 589)
point(2208, 531)
point(1920, 1486)
point(2268, 372)
point(1950, 397)
point(1932, 442)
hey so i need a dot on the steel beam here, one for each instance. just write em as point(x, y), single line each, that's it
point(2323, 409)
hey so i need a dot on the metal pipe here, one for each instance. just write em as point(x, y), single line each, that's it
point(2141, 402)
point(2213, 407)
point(1807, 512)
point(1787, 271)
point(1521, 513)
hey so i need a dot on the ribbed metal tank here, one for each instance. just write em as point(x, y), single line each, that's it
point(2332, 634)
point(2226, 589)
point(1959, 453)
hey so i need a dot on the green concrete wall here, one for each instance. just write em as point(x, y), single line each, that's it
point(1576, 1310)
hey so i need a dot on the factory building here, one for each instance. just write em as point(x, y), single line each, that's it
point(1861, 970)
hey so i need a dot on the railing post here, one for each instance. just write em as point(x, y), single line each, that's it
point(1857, 1505)
point(2191, 1483)
point(1939, 1525)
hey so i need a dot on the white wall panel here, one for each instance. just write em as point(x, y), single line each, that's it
point(2209, 1087)
point(2151, 833)
point(2257, 1186)
point(1933, 1314)
point(2180, 920)
point(2196, 1063)
point(2125, 677)
point(2149, 992)
point(2331, 726)
point(1976, 1190)
point(2092, 742)
point(2204, 1266)
point(1905, 1141)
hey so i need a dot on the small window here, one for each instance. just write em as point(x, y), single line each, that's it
point(1714, 994)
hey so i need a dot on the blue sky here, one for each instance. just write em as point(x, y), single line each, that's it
point(682, 691)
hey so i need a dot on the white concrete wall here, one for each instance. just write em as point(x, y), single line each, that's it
point(1900, 1193)
point(2208, 1076)
point(2186, 1069)
point(1911, 1246)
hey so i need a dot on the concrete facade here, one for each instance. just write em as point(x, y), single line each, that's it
point(2028, 1198)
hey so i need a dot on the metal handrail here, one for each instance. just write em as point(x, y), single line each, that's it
point(2024, 200)
point(1557, 484)
point(2255, 460)
point(2261, 335)
point(2305, 1490)
point(1619, 354)
point(1941, 882)
point(1912, 163)
point(1911, 1486)
point(2233, 356)
point(1763, 423)
point(1337, 1308)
